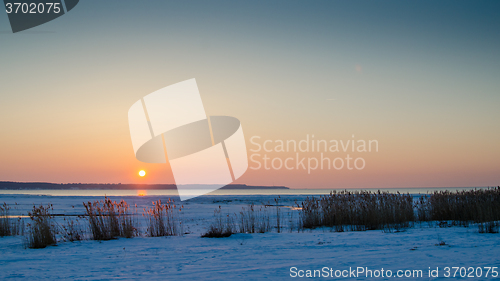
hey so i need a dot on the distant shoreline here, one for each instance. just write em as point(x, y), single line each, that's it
point(8, 185)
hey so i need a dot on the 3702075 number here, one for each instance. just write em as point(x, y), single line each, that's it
point(33, 8)
point(485, 271)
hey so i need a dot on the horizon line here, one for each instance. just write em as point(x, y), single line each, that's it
point(242, 184)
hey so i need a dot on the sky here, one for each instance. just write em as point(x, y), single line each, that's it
point(420, 78)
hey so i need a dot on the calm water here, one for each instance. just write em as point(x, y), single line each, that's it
point(219, 192)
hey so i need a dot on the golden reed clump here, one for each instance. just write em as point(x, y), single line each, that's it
point(163, 220)
point(109, 219)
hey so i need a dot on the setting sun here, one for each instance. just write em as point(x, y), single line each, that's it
point(142, 173)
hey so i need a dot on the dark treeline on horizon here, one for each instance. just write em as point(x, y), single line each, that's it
point(48, 185)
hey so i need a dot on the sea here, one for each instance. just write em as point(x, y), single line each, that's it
point(222, 192)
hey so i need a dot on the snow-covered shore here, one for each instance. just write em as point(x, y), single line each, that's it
point(274, 256)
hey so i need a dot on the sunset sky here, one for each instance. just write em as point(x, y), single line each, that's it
point(422, 78)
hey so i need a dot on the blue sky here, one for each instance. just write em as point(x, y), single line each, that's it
point(421, 77)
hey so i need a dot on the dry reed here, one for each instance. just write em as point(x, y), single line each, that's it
point(41, 230)
point(360, 210)
point(71, 230)
point(222, 226)
point(163, 219)
point(109, 219)
point(481, 206)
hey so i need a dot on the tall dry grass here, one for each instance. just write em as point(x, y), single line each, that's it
point(8, 225)
point(251, 219)
point(109, 219)
point(481, 206)
point(359, 210)
point(163, 219)
point(41, 228)
point(5, 224)
point(423, 208)
point(221, 226)
point(254, 220)
point(278, 214)
point(71, 230)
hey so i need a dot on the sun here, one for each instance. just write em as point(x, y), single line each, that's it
point(142, 173)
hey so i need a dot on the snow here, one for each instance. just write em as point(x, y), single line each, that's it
point(241, 256)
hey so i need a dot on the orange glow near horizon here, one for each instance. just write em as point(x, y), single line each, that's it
point(433, 113)
point(142, 193)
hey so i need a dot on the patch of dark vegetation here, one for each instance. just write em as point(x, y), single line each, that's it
point(358, 211)
point(441, 243)
point(41, 229)
point(222, 226)
point(489, 227)
point(364, 210)
point(216, 233)
point(481, 206)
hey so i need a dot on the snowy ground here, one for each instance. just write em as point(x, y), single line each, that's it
point(242, 256)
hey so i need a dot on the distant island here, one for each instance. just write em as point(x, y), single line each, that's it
point(113, 186)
